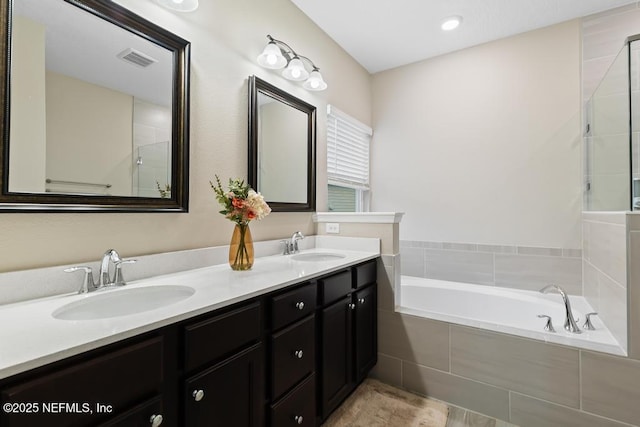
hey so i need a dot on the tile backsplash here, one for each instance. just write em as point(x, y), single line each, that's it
point(519, 267)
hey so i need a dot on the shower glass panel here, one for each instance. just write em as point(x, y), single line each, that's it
point(152, 168)
point(608, 137)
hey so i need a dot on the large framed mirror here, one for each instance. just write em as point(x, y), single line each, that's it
point(282, 148)
point(94, 110)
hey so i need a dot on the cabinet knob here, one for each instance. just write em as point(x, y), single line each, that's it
point(300, 305)
point(361, 300)
point(298, 419)
point(298, 354)
point(352, 306)
point(156, 420)
point(198, 395)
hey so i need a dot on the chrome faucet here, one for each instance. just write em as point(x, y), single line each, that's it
point(291, 245)
point(104, 278)
point(294, 241)
point(569, 322)
point(111, 256)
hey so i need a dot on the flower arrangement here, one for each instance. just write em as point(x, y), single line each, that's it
point(241, 204)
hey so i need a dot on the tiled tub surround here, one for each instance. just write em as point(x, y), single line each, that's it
point(216, 286)
point(526, 382)
point(503, 310)
point(518, 267)
point(605, 268)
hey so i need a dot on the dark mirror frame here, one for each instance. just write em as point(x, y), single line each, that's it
point(45, 202)
point(257, 85)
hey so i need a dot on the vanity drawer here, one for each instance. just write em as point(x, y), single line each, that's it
point(335, 287)
point(94, 381)
point(139, 415)
point(293, 355)
point(292, 306)
point(297, 407)
point(212, 339)
point(365, 274)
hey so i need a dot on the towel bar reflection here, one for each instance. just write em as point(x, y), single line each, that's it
point(91, 184)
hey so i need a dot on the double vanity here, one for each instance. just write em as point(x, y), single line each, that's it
point(282, 344)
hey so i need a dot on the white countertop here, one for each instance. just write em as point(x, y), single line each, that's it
point(30, 337)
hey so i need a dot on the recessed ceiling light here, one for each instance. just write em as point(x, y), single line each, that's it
point(451, 23)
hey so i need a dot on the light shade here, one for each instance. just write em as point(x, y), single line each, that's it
point(451, 23)
point(295, 70)
point(315, 81)
point(277, 54)
point(271, 57)
point(179, 5)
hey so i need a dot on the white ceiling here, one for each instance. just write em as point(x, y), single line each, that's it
point(83, 46)
point(383, 34)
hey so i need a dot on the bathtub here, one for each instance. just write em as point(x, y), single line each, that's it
point(503, 310)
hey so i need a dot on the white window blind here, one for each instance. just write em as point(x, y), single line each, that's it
point(347, 150)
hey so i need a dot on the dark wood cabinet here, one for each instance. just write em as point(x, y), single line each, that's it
point(298, 407)
point(348, 337)
point(292, 357)
point(366, 336)
point(228, 394)
point(289, 357)
point(224, 364)
point(336, 345)
point(89, 392)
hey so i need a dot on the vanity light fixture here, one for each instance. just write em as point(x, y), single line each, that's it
point(179, 5)
point(451, 23)
point(277, 54)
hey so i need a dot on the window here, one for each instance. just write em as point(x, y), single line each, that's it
point(347, 162)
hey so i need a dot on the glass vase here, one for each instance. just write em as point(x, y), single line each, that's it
point(241, 248)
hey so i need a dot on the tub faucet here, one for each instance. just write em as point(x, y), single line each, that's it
point(569, 322)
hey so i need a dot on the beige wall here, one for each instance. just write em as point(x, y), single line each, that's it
point(88, 141)
point(483, 145)
point(226, 37)
point(28, 121)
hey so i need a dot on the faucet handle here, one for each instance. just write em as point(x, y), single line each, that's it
point(548, 325)
point(118, 278)
point(88, 278)
point(587, 323)
point(287, 247)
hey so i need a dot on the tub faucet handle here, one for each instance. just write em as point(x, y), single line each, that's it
point(548, 325)
point(587, 323)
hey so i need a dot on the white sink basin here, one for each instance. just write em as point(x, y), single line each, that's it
point(317, 257)
point(122, 302)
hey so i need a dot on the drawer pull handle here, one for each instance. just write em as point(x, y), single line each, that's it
point(352, 306)
point(298, 354)
point(361, 300)
point(298, 419)
point(198, 395)
point(300, 305)
point(155, 420)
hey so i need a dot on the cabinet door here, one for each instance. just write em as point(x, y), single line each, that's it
point(230, 394)
point(336, 354)
point(366, 342)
